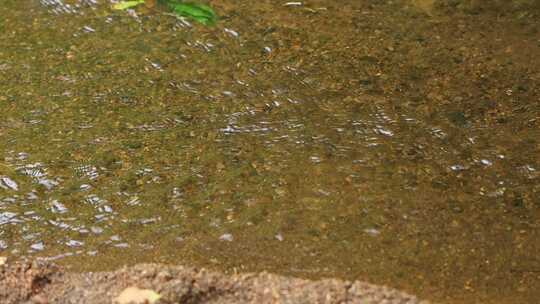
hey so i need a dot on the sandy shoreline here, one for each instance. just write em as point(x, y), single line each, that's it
point(39, 282)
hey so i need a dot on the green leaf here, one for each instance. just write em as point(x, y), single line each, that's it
point(122, 5)
point(199, 12)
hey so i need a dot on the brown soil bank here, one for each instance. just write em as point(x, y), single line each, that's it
point(47, 283)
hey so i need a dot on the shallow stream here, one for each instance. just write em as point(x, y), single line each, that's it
point(341, 139)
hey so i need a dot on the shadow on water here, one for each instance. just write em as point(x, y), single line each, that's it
point(388, 142)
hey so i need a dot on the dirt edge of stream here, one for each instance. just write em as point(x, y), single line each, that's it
point(42, 282)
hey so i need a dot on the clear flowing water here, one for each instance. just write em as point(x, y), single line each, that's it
point(132, 137)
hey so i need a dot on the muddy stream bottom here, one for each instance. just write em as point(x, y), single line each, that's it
point(392, 142)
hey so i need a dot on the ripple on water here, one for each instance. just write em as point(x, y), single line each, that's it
point(60, 7)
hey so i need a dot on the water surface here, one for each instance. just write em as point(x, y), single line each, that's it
point(350, 140)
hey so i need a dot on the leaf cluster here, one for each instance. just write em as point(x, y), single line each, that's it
point(199, 12)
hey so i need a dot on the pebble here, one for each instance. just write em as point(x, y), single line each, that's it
point(226, 237)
